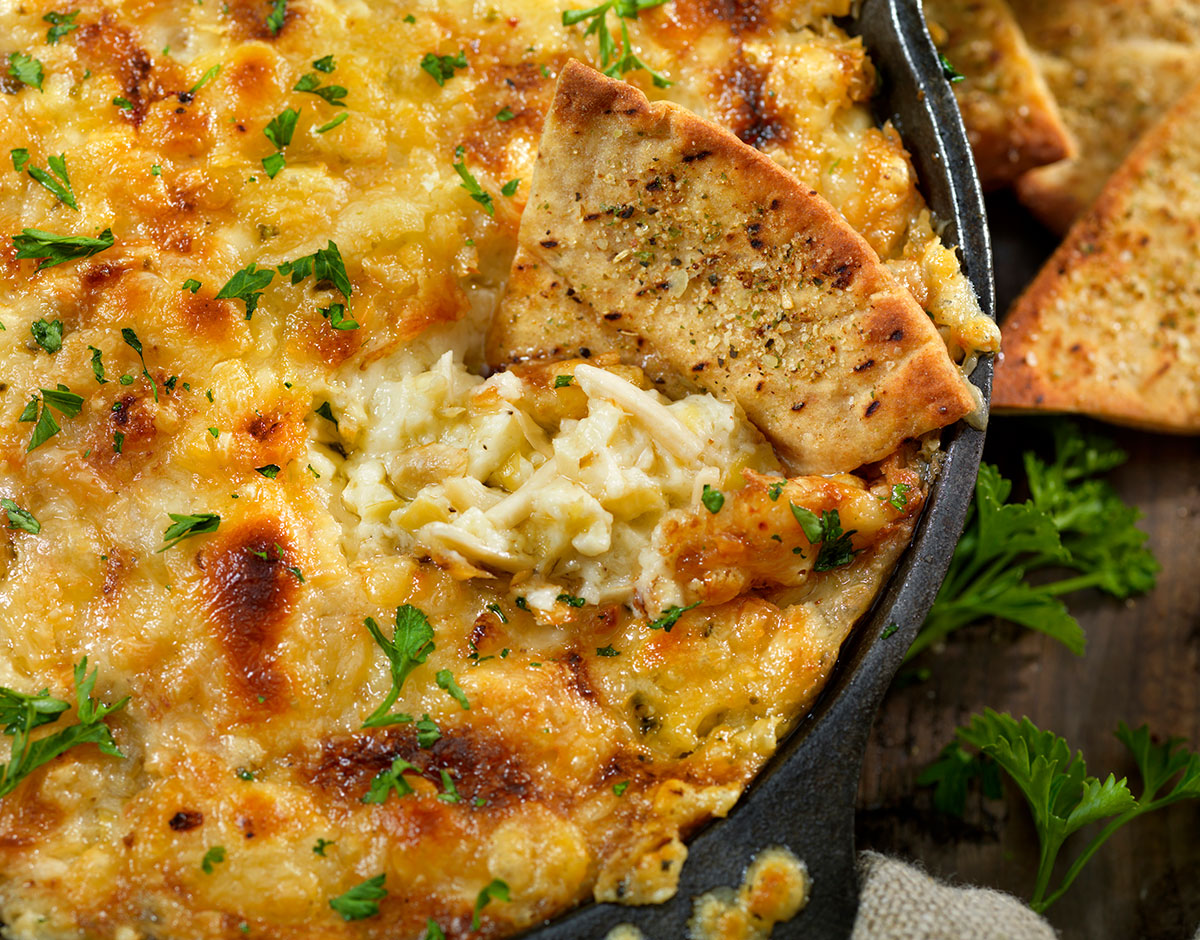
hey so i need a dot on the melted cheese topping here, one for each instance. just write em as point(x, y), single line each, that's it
point(593, 742)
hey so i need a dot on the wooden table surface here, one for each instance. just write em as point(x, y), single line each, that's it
point(1142, 665)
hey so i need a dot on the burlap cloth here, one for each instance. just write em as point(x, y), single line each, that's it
point(899, 902)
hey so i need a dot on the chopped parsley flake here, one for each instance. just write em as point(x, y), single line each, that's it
point(56, 182)
point(445, 680)
point(497, 890)
point(428, 732)
point(247, 286)
point(388, 780)
point(207, 77)
point(505, 114)
point(470, 184)
point(132, 341)
point(495, 609)
point(212, 857)
point(332, 124)
point(951, 74)
point(607, 651)
point(277, 16)
point(54, 249)
point(310, 84)
point(47, 334)
point(26, 69)
point(270, 471)
point(441, 67)
point(620, 788)
point(836, 549)
point(322, 844)
point(889, 630)
point(336, 315)
point(510, 188)
point(671, 616)
point(19, 518)
point(20, 157)
point(775, 489)
point(325, 64)
point(571, 600)
point(191, 284)
point(123, 103)
point(273, 164)
point(360, 901)
point(280, 129)
point(61, 24)
point(184, 527)
point(450, 792)
point(713, 499)
point(899, 497)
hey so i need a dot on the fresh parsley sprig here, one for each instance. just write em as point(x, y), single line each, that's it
point(611, 63)
point(470, 184)
point(62, 400)
point(441, 67)
point(1071, 520)
point(1061, 795)
point(61, 24)
point(22, 713)
point(411, 643)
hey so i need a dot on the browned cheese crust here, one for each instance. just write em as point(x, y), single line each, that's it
point(1012, 120)
point(1114, 67)
point(1109, 327)
point(658, 234)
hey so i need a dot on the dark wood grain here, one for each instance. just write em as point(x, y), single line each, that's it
point(1142, 665)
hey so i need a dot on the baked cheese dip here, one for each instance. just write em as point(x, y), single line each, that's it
point(324, 615)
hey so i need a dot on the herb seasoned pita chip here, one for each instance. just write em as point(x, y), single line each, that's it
point(1111, 325)
point(1011, 118)
point(654, 233)
point(1115, 67)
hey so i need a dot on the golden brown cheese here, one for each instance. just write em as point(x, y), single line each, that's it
point(244, 651)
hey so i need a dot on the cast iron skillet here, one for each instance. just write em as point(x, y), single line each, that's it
point(804, 799)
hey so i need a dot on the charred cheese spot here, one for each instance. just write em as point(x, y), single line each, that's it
point(105, 44)
point(249, 594)
point(202, 315)
point(483, 765)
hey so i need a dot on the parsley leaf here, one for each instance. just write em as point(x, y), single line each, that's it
point(311, 84)
point(510, 188)
point(132, 341)
point(59, 185)
point(20, 157)
point(332, 124)
point(247, 285)
point(184, 527)
point(325, 64)
point(428, 732)
point(441, 67)
point(836, 549)
point(19, 518)
point(26, 69)
point(360, 901)
point(98, 366)
point(212, 857)
point(280, 129)
point(388, 780)
point(671, 616)
point(22, 713)
point(497, 889)
point(1062, 797)
point(62, 400)
point(951, 74)
point(1071, 520)
point(60, 25)
point(273, 164)
point(58, 249)
point(325, 264)
point(445, 680)
point(277, 16)
point(611, 64)
point(411, 643)
point(470, 184)
point(47, 334)
point(211, 73)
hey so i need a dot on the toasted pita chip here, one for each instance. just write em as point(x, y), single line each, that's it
point(1011, 118)
point(1111, 325)
point(659, 235)
point(1115, 67)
